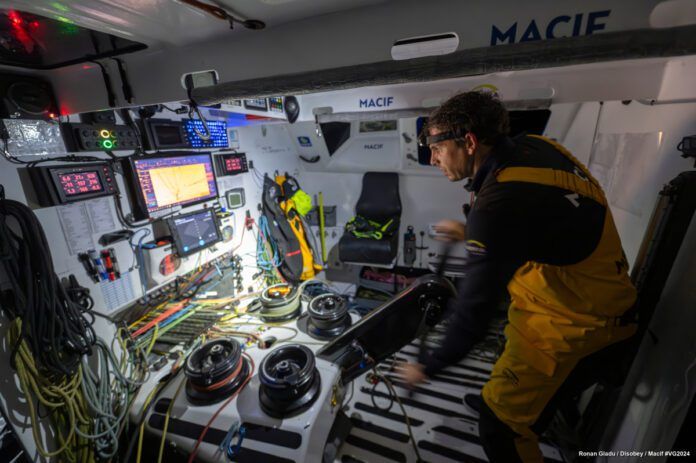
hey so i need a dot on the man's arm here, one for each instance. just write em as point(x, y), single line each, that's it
point(478, 294)
point(498, 235)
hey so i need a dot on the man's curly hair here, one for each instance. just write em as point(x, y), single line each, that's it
point(478, 112)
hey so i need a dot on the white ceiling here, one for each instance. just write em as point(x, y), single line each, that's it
point(164, 23)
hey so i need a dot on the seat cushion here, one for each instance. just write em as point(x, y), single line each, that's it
point(379, 199)
point(365, 250)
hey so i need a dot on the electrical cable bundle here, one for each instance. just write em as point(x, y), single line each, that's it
point(56, 329)
point(268, 257)
point(61, 396)
point(52, 339)
point(107, 393)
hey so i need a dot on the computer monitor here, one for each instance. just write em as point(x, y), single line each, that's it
point(160, 182)
point(194, 231)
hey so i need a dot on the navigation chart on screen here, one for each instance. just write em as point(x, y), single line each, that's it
point(179, 180)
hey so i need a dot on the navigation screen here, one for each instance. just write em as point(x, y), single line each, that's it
point(78, 183)
point(194, 232)
point(175, 180)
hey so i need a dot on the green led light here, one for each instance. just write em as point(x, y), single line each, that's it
point(59, 6)
point(67, 26)
point(108, 144)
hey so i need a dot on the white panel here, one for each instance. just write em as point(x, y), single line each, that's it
point(673, 13)
point(579, 135)
point(616, 154)
point(658, 166)
point(355, 36)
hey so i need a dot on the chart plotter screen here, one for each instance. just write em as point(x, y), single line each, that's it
point(176, 181)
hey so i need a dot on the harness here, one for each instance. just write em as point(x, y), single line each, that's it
point(361, 227)
point(581, 181)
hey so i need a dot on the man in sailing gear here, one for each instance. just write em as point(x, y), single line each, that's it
point(540, 226)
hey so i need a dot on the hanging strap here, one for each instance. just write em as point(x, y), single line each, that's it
point(361, 227)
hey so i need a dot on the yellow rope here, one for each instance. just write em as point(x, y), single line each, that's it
point(166, 420)
point(152, 394)
point(62, 395)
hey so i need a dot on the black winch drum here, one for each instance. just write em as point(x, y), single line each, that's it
point(214, 371)
point(290, 382)
point(328, 316)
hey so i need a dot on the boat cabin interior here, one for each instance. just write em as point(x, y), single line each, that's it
point(221, 232)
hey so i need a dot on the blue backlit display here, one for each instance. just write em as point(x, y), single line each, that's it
point(218, 133)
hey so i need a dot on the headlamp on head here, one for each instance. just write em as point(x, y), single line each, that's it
point(426, 140)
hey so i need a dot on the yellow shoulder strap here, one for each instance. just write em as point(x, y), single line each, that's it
point(588, 187)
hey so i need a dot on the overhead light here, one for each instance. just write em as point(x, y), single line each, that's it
point(425, 45)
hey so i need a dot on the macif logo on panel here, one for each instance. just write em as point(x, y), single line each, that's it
point(560, 26)
point(379, 102)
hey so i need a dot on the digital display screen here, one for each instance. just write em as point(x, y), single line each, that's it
point(79, 183)
point(217, 129)
point(258, 104)
point(168, 135)
point(235, 198)
point(231, 163)
point(194, 232)
point(170, 181)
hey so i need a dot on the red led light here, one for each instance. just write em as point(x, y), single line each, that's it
point(34, 24)
point(15, 18)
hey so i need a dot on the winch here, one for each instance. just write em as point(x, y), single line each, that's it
point(214, 371)
point(328, 316)
point(280, 303)
point(290, 382)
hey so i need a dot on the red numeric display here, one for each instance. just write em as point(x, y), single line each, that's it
point(233, 165)
point(81, 183)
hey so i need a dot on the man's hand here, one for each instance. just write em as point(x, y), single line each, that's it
point(450, 230)
point(411, 372)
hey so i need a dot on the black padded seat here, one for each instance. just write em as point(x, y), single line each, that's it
point(379, 201)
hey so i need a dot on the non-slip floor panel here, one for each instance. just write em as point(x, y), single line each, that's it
point(444, 429)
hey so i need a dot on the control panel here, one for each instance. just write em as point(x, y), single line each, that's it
point(98, 137)
point(56, 185)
